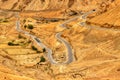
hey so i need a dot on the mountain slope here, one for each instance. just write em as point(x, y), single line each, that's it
point(109, 19)
point(57, 4)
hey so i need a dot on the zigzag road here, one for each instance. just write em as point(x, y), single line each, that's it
point(58, 36)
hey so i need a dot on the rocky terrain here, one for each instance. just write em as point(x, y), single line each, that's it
point(111, 19)
point(95, 46)
point(61, 7)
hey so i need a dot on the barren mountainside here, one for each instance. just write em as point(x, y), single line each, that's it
point(110, 19)
point(58, 4)
point(59, 40)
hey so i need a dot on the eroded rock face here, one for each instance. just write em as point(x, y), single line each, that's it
point(60, 7)
point(57, 4)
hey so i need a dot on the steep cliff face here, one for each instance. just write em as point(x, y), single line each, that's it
point(58, 4)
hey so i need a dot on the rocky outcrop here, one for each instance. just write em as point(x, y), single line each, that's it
point(103, 5)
